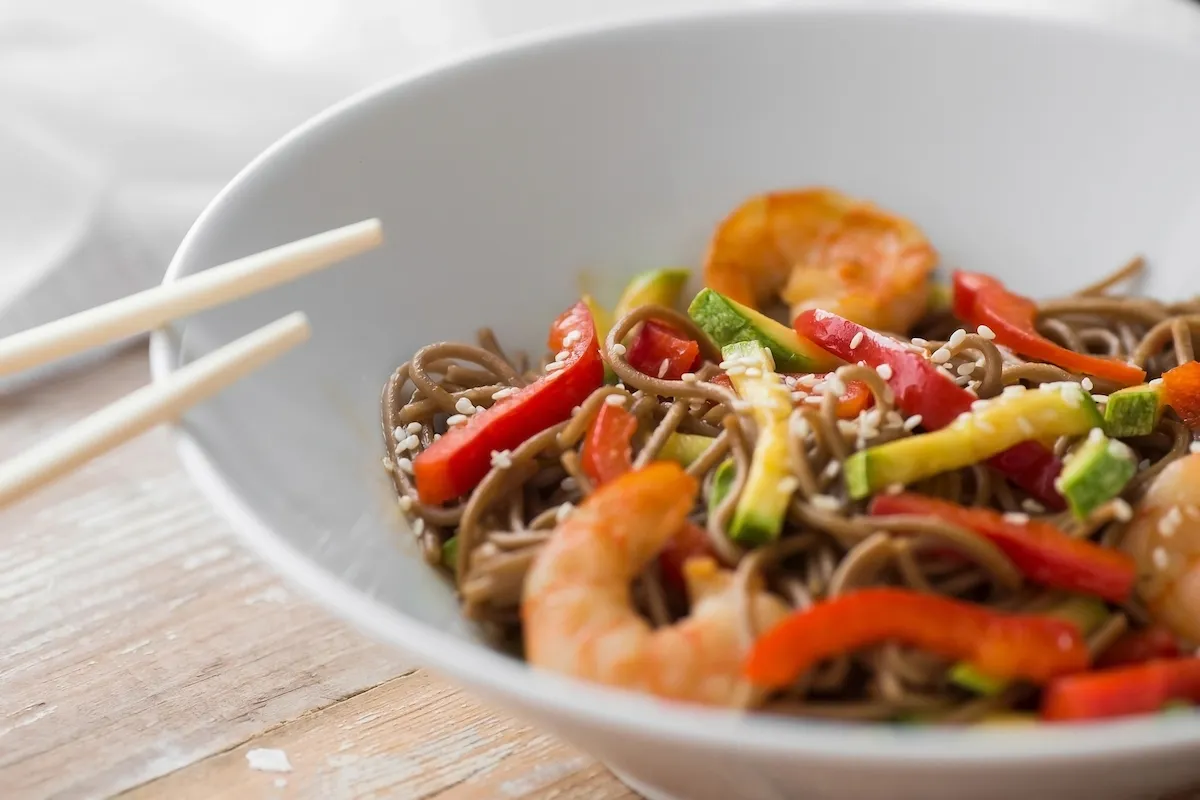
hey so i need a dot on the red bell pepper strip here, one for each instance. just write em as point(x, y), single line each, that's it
point(607, 455)
point(856, 399)
point(983, 300)
point(1138, 647)
point(1181, 387)
point(921, 388)
point(608, 448)
point(658, 351)
point(454, 464)
point(1042, 552)
point(1141, 689)
point(1005, 646)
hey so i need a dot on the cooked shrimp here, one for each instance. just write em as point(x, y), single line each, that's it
point(818, 248)
point(577, 613)
point(1164, 538)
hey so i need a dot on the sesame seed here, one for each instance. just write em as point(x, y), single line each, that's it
point(437, 436)
point(965, 369)
point(1162, 559)
point(418, 526)
point(456, 419)
point(798, 425)
point(1100, 398)
point(735, 369)
point(885, 371)
point(788, 484)
point(979, 405)
point(563, 511)
point(895, 488)
point(464, 406)
point(571, 338)
point(753, 372)
point(919, 342)
point(986, 332)
point(1071, 397)
point(1026, 426)
point(1032, 506)
point(480, 409)
point(663, 367)
point(826, 502)
point(1156, 382)
point(413, 427)
point(1016, 518)
point(617, 349)
point(554, 366)
point(856, 341)
point(807, 380)
point(835, 384)
point(688, 377)
point(620, 386)
point(1170, 522)
point(940, 356)
point(814, 400)
point(387, 464)
point(399, 434)
point(956, 338)
point(405, 502)
point(1096, 435)
point(912, 422)
point(1118, 449)
point(568, 484)
point(798, 396)
point(832, 469)
point(1122, 510)
point(405, 465)
point(503, 393)
point(411, 442)
point(615, 400)
point(562, 355)
point(1087, 384)
point(1144, 464)
point(985, 426)
point(1015, 389)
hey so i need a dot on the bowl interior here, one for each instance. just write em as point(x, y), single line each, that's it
point(1043, 153)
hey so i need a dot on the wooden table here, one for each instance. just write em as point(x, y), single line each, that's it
point(143, 652)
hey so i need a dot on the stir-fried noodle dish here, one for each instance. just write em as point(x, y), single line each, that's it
point(831, 484)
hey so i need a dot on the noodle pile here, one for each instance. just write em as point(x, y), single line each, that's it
point(828, 546)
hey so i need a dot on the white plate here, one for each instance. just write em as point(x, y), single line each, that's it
point(1042, 151)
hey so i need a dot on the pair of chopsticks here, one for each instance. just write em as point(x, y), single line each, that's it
point(167, 400)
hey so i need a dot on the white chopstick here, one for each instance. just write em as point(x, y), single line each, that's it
point(148, 407)
point(152, 308)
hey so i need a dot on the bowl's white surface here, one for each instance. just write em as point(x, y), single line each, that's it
point(1044, 152)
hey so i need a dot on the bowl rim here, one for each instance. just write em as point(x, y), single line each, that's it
point(510, 682)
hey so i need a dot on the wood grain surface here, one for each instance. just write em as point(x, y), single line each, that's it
point(144, 652)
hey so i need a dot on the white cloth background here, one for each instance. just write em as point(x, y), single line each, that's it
point(120, 119)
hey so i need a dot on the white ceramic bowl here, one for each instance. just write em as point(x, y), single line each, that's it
point(1042, 151)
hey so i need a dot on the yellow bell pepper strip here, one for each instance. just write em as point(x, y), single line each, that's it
point(997, 425)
